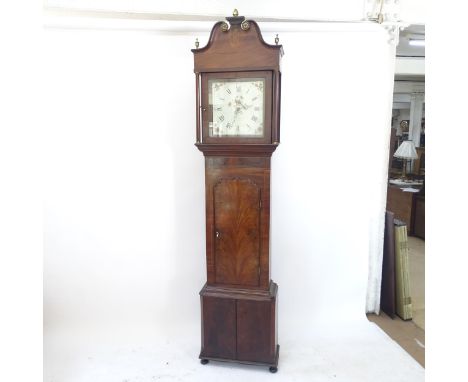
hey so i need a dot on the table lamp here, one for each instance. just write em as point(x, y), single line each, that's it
point(406, 151)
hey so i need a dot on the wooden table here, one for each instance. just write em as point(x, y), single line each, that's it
point(403, 205)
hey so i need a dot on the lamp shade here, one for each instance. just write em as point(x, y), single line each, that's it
point(406, 151)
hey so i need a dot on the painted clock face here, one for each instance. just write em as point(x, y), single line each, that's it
point(238, 107)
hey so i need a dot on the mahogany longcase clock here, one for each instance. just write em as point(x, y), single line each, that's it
point(238, 83)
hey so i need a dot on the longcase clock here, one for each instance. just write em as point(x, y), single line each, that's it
point(238, 82)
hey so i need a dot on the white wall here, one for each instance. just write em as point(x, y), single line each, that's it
point(413, 11)
point(277, 9)
point(124, 210)
point(410, 66)
point(406, 11)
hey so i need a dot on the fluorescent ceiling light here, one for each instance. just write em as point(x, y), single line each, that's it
point(417, 42)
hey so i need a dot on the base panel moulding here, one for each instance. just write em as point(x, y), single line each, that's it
point(273, 366)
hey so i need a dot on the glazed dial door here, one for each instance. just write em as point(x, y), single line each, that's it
point(237, 107)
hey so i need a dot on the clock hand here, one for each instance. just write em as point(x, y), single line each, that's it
point(234, 118)
point(239, 102)
point(245, 107)
point(237, 111)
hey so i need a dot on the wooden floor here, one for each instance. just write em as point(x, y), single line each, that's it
point(417, 279)
point(410, 335)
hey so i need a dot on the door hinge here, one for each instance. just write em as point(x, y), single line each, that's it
point(260, 204)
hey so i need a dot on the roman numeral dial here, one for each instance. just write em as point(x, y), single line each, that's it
point(238, 107)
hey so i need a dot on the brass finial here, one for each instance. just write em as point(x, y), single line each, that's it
point(276, 40)
point(235, 13)
point(197, 44)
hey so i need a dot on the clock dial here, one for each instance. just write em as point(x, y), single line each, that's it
point(238, 107)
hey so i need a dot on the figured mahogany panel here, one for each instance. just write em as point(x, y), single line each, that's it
point(255, 338)
point(218, 327)
point(237, 232)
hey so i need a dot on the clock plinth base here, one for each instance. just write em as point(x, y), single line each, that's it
point(240, 325)
point(273, 366)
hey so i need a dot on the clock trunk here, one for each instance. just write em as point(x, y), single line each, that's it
point(238, 221)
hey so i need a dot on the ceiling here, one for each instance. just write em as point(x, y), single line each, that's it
point(416, 32)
